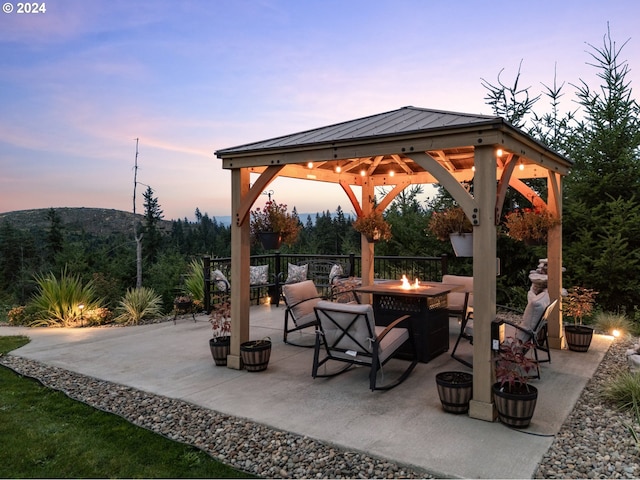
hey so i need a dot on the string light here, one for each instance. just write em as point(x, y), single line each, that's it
point(363, 173)
point(499, 152)
point(310, 165)
point(392, 173)
point(521, 167)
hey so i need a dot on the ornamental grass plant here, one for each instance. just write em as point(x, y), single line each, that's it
point(64, 302)
point(138, 303)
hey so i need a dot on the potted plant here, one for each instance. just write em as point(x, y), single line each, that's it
point(514, 398)
point(373, 226)
point(183, 304)
point(255, 354)
point(530, 225)
point(455, 390)
point(272, 225)
point(220, 343)
point(453, 225)
point(577, 304)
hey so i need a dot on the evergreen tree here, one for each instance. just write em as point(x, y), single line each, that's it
point(55, 240)
point(152, 240)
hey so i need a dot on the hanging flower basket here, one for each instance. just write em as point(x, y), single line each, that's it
point(530, 225)
point(274, 219)
point(453, 220)
point(373, 226)
point(270, 240)
point(462, 244)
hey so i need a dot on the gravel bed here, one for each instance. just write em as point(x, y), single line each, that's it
point(594, 442)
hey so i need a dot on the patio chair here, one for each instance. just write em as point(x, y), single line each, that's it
point(527, 326)
point(299, 298)
point(346, 333)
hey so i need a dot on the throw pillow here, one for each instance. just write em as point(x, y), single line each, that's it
point(533, 313)
point(259, 275)
point(296, 273)
point(336, 272)
point(220, 281)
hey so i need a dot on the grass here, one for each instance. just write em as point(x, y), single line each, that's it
point(45, 434)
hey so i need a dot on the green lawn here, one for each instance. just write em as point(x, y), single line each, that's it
point(45, 434)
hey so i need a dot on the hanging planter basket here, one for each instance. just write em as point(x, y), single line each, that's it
point(578, 337)
point(462, 244)
point(255, 354)
point(220, 348)
point(515, 405)
point(455, 390)
point(270, 240)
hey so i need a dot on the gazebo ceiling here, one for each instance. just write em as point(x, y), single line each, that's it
point(381, 146)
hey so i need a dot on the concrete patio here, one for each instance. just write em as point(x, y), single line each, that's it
point(406, 425)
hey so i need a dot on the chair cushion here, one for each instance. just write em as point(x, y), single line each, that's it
point(533, 313)
point(259, 275)
point(296, 294)
point(391, 342)
point(455, 300)
point(342, 314)
point(296, 273)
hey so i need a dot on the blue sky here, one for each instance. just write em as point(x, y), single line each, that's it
point(80, 82)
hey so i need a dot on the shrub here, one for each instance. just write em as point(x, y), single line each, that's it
point(607, 322)
point(138, 303)
point(63, 301)
point(194, 282)
point(624, 391)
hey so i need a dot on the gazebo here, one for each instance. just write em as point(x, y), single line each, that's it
point(396, 149)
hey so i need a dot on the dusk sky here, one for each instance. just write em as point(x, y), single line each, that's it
point(81, 81)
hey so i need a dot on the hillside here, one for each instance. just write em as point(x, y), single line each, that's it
point(97, 221)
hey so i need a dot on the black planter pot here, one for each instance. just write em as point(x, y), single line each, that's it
point(255, 355)
point(220, 348)
point(578, 337)
point(455, 390)
point(270, 240)
point(515, 405)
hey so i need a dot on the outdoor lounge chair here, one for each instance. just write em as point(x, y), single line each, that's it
point(299, 298)
point(347, 334)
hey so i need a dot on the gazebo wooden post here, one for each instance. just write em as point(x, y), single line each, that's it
point(554, 256)
point(240, 260)
point(484, 274)
point(368, 248)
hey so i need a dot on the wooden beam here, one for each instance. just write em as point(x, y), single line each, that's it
point(449, 182)
point(352, 198)
point(256, 190)
point(388, 198)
